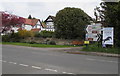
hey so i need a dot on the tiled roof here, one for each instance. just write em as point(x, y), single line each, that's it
point(31, 21)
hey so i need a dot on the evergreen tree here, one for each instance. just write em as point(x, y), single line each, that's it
point(29, 17)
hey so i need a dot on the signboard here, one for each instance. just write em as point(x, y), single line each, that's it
point(86, 42)
point(93, 37)
point(108, 36)
point(89, 29)
point(96, 28)
point(93, 32)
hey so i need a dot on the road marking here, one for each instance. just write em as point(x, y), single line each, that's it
point(67, 73)
point(12, 62)
point(70, 73)
point(36, 67)
point(24, 65)
point(64, 72)
point(51, 70)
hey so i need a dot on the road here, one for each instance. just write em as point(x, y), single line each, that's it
point(29, 60)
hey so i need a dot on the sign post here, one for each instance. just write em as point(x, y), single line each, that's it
point(108, 36)
point(86, 43)
point(93, 32)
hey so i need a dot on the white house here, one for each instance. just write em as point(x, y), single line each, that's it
point(49, 23)
point(33, 24)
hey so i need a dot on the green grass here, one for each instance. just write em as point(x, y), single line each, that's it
point(36, 45)
point(95, 48)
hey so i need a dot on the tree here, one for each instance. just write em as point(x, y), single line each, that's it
point(70, 23)
point(110, 14)
point(9, 20)
point(29, 17)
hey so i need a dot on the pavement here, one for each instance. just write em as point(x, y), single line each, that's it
point(31, 60)
point(76, 50)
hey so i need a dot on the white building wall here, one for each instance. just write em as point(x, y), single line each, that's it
point(28, 27)
point(15, 29)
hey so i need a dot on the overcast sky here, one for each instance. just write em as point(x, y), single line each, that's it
point(43, 8)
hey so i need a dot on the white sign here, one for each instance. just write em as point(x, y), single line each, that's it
point(108, 36)
point(92, 37)
point(93, 32)
point(89, 29)
point(96, 28)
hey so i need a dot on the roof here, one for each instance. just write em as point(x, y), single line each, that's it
point(31, 21)
point(52, 17)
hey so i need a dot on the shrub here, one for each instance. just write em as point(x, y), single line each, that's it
point(32, 42)
point(46, 34)
point(37, 35)
point(25, 33)
point(5, 38)
point(14, 37)
point(51, 43)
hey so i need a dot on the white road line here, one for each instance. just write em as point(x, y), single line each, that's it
point(4, 61)
point(67, 73)
point(64, 72)
point(24, 65)
point(51, 70)
point(36, 67)
point(12, 62)
point(70, 73)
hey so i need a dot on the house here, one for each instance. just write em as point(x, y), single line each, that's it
point(49, 23)
point(32, 24)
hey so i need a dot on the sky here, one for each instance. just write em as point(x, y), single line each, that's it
point(41, 9)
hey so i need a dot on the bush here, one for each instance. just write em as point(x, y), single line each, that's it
point(14, 37)
point(5, 38)
point(25, 33)
point(37, 35)
point(51, 43)
point(95, 48)
point(46, 34)
point(32, 42)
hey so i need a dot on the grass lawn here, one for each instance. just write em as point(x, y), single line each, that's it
point(36, 45)
point(95, 48)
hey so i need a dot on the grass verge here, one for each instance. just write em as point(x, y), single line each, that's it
point(36, 45)
point(95, 48)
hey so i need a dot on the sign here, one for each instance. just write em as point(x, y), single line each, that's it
point(89, 28)
point(96, 28)
point(108, 36)
point(93, 37)
point(93, 32)
point(86, 42)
